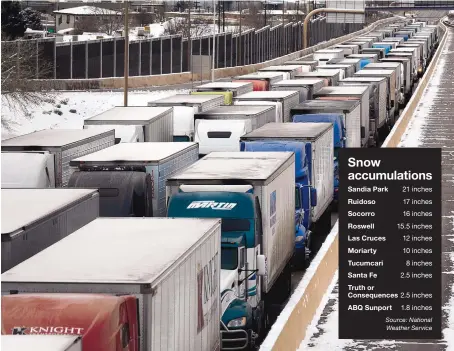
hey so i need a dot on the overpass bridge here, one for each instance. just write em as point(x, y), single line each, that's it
point(409, 5)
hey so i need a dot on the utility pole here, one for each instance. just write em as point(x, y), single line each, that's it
point(219, 17)
point(283, 28)
point(223, 18)
point(213, 52)
point(190, 46)
point(239, 43)
point(126, 64)
point(265, 13)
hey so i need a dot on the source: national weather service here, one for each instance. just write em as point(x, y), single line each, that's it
point(390, 243)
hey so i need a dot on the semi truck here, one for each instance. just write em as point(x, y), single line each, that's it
point(41, 159)
point(316, 196)
point(285, 98)
point(184, 107)
point(327, 54)
point(122, 284)
point(407, 83)
point(361, 93)
point(227, 89)
point(306, 87)
point(288, 70)
point(253, 193)
point(378, 112)
point(393, 97)
point(398, 77)
point(261, 80)
point(132, 176)
point(348, 48)
point(331, 77)
point(135, 123)
point(306, 66)
point(41, 343)
point(220, 129)
point(34, 219)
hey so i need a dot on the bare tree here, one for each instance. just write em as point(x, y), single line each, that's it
point(22, 64)
point(180, 25)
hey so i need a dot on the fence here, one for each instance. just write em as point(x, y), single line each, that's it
point(105, 57)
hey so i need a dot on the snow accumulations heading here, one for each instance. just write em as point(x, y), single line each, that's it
point(414, 131)
point(69, 110)
point(297, 295)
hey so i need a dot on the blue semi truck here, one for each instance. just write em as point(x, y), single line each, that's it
point(313, 193)
point(253, 194)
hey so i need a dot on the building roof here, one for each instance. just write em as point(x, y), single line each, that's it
point(87, 11)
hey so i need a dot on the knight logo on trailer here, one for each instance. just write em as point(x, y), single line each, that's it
point(207, 292)
point(225, 206)
point(49, 330)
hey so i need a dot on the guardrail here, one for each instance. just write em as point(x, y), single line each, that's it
point(290, 328)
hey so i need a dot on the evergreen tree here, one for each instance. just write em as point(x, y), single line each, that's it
point(31, 18)
point(13, 24)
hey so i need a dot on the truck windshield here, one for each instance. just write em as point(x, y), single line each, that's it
point(297, 199)
point(235, 225)
point(229, 258)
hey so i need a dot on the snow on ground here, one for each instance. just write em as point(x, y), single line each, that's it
point(85, 104)
point(413, 133)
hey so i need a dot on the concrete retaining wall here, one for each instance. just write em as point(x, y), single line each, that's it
point(290, 328)
point(187, 77)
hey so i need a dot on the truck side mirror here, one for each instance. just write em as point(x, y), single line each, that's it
point(261, 265)
point(313, 197)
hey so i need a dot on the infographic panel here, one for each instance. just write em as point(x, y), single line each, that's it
point(390, 243)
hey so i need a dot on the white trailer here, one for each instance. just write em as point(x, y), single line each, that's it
point(330, 77)
point(270, 176)
point(170, 267)
point(360, 93)
point(307, 66)
point(379, 96)
point(41, 159)
point(154, 162)
point(349, 49)
point(351, 110)
point(34, 219)
point(321, 171)
point(184, 107)
point(406, 69)
point(269, 77)
point(236, 88)
point(287, 99)
point(41, 343)
point(327, 54)
point(136, 123)
point(289, 70)
point(220, 129)
point(306, 86)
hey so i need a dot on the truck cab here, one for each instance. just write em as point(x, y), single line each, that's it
point(241, 231)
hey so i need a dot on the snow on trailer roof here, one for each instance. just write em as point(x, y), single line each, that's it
point(150, 152)
point(139, 252)
point(222, 85)
point(38, 342)
point(310, 131)
point(53, 137)
point(375, 72)
point(327, 105)
point(129, 114)
point(299, 82)
point(232, 110)
point(328, 51)
point(249, 166)
point(260, 75)
point(271, 94)
point(22, 208)
point(363, 79)
point(379, 65)
point(342, 90)
point(187, 99)
point(332, 73)
point(284, 68)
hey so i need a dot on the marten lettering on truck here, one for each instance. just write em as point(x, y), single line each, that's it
point(207, 287)
point(213, 205)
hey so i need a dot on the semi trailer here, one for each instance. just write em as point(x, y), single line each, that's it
point(41, 159)
point(253, 193)
point(34, 219)
point(131, 177)
point(123, 284)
